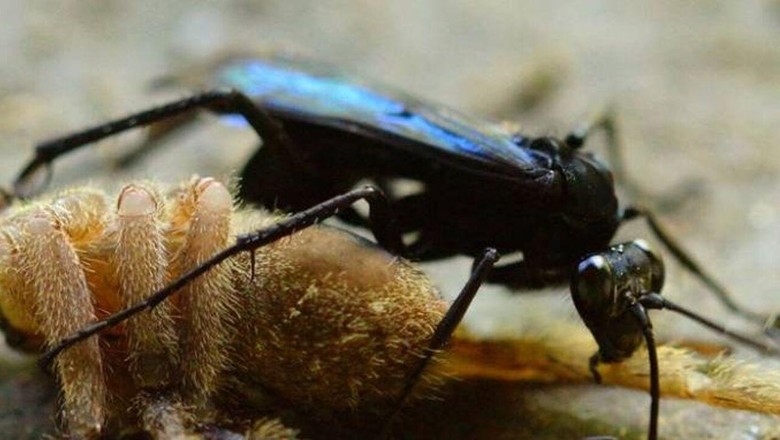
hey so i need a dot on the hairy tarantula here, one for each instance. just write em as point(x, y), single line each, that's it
point(318, 326)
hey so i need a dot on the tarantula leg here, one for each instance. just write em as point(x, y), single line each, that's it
point(140, 263)
point(207, 304)
point(244, 243)
point(164, 419)
point(49, 272)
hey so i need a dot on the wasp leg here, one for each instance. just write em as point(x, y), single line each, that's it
point(270, 130)
point(606, 122)
point(684, 258)
point(353, 217)
point(412, 215)
point(658, 302)
point(381, 220)
point(519, 275)
point(593, 367)
point(446, 327)
point(638, 310)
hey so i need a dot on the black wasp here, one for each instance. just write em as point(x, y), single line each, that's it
point(323, 132)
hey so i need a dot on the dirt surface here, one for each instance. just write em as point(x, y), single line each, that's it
point(694, 84)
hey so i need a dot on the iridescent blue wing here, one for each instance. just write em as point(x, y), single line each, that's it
point(316, 93)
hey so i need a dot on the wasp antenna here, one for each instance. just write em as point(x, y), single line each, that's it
point(639, 312)
point(482, 267)
point(656, 301)
point(684, 258)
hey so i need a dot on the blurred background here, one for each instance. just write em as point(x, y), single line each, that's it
point(695, 85)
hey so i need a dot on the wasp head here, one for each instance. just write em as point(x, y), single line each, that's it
point(603, 287)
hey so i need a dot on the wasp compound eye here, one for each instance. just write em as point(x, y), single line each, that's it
point(655, 265)
point(592, 286)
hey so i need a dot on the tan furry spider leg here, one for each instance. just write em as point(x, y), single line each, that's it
point(140, 262)
point(50, 272)
point(163, 419)
point(270, 429)
point(208, 304)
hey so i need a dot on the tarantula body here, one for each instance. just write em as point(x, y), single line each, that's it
point(322, 322)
